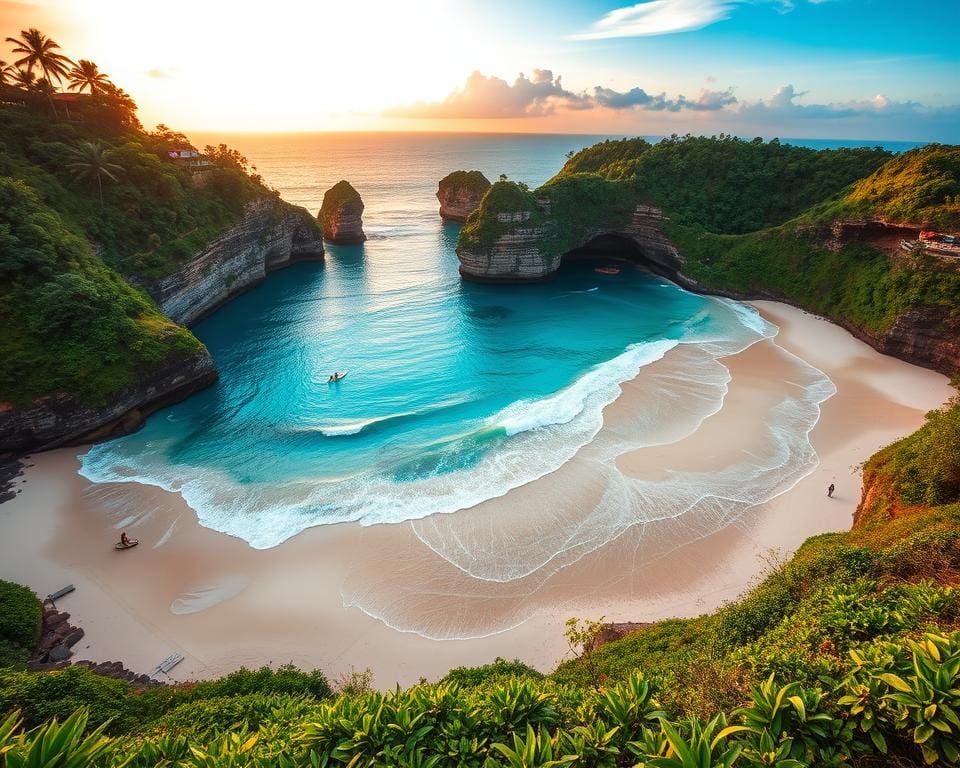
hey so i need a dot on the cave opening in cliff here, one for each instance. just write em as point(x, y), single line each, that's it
point(611, 249)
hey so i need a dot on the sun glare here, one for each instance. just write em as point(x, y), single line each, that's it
point(287, 65)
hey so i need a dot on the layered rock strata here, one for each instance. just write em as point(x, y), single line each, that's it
point(341, 214)
point(271, 235)
point(525, 252)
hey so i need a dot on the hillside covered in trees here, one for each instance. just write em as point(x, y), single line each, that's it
point(94, 211)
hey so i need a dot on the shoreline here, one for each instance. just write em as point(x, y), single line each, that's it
point(222, 604)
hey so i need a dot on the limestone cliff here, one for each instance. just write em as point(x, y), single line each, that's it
point(272, 234)
point(460, 194)
point(529, 244)
point(519, 237)
point(60, 419)
point(341, 214)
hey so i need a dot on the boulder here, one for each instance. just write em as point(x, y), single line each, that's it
point(341, 215)
point(60, 653)
point(73, 637)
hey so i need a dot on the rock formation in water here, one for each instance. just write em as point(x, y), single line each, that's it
point(831, 242)
point(518, 236)
point(341, 215)
point(460, 194)
point(270, 235)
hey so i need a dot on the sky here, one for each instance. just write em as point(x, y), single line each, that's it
point(844, 69)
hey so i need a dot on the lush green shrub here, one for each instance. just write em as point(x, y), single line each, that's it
point(21, 617)
point(499, 670)
point(207, 716)
point(41, 696)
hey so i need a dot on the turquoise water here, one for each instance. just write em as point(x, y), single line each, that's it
point(456, 392)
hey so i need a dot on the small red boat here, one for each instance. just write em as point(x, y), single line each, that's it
point(608, 270)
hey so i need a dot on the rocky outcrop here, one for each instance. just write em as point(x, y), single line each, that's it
point(614, 631)
point(272, 234)
point(460, 194)
point(341, 214)
point(56, 647)
point(517, 256)
point(529, 253)
point(927, 336)
point(60, 419)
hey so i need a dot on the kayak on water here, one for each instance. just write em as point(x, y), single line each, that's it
point(608, 270)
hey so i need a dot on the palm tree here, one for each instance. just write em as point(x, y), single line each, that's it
point(4, 73)
point(86, 74)
point(22, 78)
point(92, 160)
point(40, 51)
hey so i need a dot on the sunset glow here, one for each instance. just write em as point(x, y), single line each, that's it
point(651, 68)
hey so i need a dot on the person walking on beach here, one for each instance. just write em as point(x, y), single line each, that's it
point(830, 491)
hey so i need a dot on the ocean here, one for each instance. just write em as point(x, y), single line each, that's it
point(456, 393)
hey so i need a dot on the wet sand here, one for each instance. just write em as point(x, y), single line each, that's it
point(221, 604)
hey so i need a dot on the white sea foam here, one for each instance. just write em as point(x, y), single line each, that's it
point(517, 555)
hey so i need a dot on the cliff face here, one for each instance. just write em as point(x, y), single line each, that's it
point(530, 246)
point(525, 253)
point(460, 194)
point(60, 419)
point(341, 214)
point(271, 235)
point(517, 256)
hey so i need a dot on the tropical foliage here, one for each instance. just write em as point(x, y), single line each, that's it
point(20, 618)
point(90, 205)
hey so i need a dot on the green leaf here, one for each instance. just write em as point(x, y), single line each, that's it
point(894, 681)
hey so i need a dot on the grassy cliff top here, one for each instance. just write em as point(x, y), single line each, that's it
point(340, 195)
point(920, 188)
point(472, 180)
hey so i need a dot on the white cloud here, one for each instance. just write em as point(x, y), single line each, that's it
point(542, 93)
point(665, 17)
point(658, 17)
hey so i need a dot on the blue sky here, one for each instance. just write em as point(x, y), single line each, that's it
point(844, 53)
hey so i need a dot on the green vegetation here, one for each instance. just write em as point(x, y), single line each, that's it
point(855, 283)
point(724, 184)
point(92, 208)
point(20, 621)
point(920, 186)
point(472, 180)
point(504, 197)
point(847, 654)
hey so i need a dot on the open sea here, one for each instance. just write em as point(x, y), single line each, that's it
point(456, 393)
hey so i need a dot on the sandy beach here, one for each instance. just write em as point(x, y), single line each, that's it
point(346, 596)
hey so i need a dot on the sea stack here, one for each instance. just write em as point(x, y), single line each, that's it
point(460, 194)
point(341, 214)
